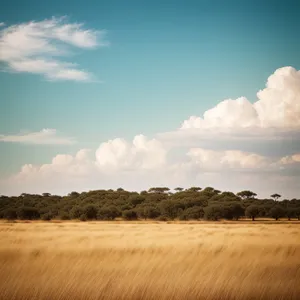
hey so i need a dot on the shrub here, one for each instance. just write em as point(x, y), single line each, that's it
point(83, 218)
point(91, 211)
point(192, 213)
point(28, 213)
point(107, 213)
point(46, 217)
point(64, 216)
point(76, 212)
point(232, 211)
point(10, 214)
point(129, 214)
point(212, 212)
point(148, 212)
point(162, 218)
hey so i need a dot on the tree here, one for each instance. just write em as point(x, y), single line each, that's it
point(275, 196)
point(46, 217)
point(46, 194)
point(10, 214)
point(232, 211)
point(28, 213)
point(277, 212)
point(136, 199)
point(212, 212)
point(252, 212)
point(192, 213)
point(91, 211)
point(291, 212)
point(170, 208)
point(107, 213)
point(129, 215)
point(246, 195)
point(159, 190)
point(76, 212)
point(178, 189)
point(297, 213)
point(73, 194)
point(194, 189)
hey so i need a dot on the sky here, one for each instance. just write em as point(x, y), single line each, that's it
point(134, 94)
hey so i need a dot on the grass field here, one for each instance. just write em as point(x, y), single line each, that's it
point(94, 260)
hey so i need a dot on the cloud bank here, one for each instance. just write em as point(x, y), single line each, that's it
point(273, 120)
point(43, 137)
point(36, 47)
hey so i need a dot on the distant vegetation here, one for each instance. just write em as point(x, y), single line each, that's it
point(156, 203)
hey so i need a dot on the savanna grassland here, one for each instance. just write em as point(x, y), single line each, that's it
point(140, 260)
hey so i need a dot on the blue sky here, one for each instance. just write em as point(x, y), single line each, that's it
point(165, 62)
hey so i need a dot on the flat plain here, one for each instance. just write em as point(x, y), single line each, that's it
point(140, 260)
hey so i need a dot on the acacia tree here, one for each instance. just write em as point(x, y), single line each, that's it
point(178, 189)
point(194, 189)
point(159, 190)
point(246, 195)
point(275, 196)
point(252, 212)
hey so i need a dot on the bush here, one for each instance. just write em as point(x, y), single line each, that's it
point(162, 218)
point(232, 211)
point(171, 208)
point(28, 213)
point(91, 211)
point(46, 217)
point(136, 199)
point(107, 213)
point(76, 212)
point(129, 215)
point(148, 212)
point(83, 218)
point(64, 216)
point(212, 212)
point(10, 214)
point(192, 213)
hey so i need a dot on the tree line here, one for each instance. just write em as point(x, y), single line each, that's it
point(157, 203)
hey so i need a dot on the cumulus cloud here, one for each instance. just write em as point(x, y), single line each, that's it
point(61, 165)
point(290, 159)
point(278, 107)
point(140, 164)
point(272, 121)
point(232, 159)
point(142, 153)
point(31, 47)
point(43, 137)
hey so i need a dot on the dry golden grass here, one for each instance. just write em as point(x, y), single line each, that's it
point(149, 261)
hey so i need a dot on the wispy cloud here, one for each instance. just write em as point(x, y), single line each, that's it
point(43, 137)
point(35, 47)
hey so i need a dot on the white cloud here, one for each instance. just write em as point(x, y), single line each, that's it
point(31, 47)
point(143, 163)
point(2, 24)
point(278, 107)
point(232, 159)
point(273, 122)
point(45, 136)
point(142, 153)
point(290, 159)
